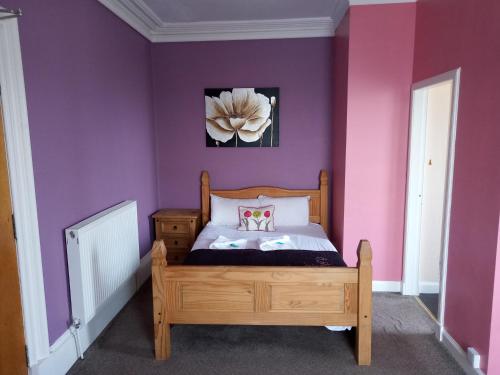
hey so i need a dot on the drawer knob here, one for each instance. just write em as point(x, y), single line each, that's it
point(176, 242)
point(175, 227)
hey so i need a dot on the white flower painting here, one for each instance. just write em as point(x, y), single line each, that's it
point(242, 117)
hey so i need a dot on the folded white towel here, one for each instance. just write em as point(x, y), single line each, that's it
point(224, 243)
point(276, 243)
point(338, 328)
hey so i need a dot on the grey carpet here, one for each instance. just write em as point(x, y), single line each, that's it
point(403, 343)
point(431, 301)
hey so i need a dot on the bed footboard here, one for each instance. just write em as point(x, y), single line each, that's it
point(315, 296)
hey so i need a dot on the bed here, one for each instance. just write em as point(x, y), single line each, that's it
point(264, 295)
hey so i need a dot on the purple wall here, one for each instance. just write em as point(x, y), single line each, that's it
point(452, 34)
point(88, 85)
point(302, 70)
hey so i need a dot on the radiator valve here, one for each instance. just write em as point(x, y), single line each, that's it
point(75, 326)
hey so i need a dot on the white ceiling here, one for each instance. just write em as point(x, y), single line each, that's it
point(202, 20)
point(238, 10)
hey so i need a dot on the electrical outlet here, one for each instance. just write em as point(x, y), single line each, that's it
point(473, 357)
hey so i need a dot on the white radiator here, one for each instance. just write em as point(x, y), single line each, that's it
point(103, 257)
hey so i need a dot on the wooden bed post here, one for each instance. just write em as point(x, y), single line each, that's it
point(323, 189)
point(161, 327)
point(364, 328)
point(205, 198)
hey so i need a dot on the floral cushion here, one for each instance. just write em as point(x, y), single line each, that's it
point(257, 218)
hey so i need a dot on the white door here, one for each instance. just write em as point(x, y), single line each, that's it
point(437, 136)
point(430, 175)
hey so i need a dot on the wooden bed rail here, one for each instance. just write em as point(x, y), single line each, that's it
point(313, 296)
point(364, 327)
point(161, 327)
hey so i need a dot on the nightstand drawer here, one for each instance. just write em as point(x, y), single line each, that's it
point(176, 242)
point(173, 227)
point(178, 228)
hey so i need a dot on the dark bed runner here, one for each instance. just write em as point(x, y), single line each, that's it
point(251, 257)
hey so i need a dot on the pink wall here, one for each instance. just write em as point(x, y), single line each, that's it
point(494, 350)
point(380, 72)
point(339, 100)
point(461, 33)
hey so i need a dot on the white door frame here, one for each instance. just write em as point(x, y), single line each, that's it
point(416, 154)
point(18, 148)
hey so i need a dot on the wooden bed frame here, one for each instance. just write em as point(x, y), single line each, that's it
point(256, 295)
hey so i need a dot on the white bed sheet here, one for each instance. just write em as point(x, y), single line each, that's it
point(309, 237)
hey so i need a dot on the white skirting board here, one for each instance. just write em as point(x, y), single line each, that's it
point(429, 287)
point(63, 353)
point(144, 271)
point(459, 354)
point(61, 357)
point(386, 286)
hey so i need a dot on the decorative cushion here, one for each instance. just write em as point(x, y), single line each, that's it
point(257, 218)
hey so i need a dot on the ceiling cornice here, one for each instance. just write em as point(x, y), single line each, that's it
point(132, 14)
point(375, 2)
point(339, 11)
point(241, 30)
point(141, 18)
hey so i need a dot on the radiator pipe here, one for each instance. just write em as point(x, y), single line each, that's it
point(75, 326)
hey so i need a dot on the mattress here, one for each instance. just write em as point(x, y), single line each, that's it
point(313, 248)
point(310, 237)
point(251, 257)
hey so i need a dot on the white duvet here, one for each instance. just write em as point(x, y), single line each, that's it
point(309, 237)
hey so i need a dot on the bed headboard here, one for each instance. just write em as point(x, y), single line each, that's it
point(318, 205)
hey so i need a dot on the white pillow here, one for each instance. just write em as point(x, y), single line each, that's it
point(224, 211)
point(288, 211)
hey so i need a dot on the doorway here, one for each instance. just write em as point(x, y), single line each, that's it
point(12, 344)
point(430, 175)
point(16, 143)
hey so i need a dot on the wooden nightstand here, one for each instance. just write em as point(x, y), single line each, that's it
point(178, 228)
